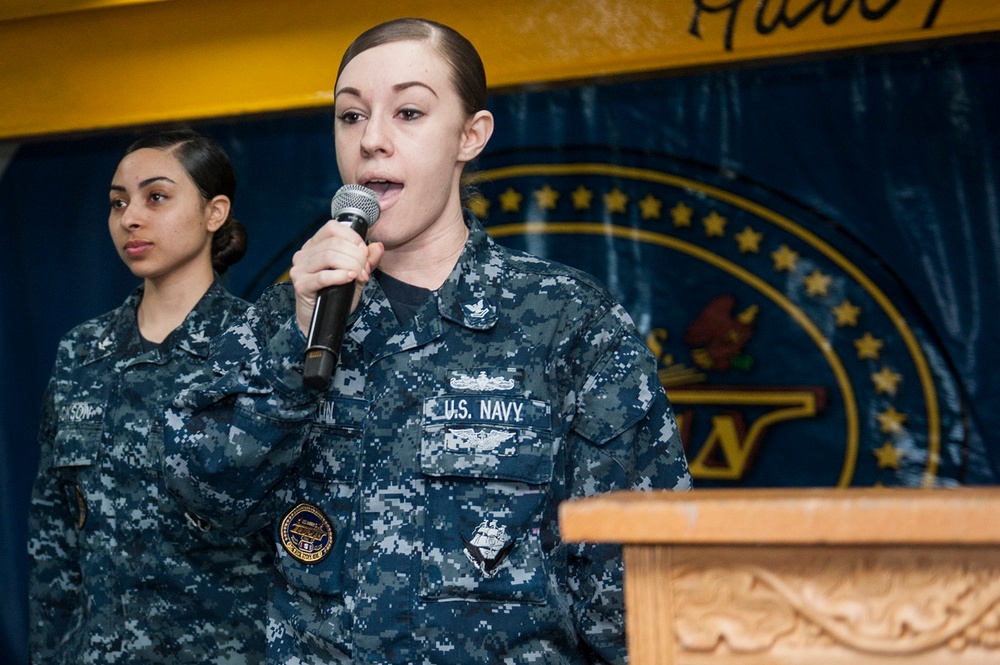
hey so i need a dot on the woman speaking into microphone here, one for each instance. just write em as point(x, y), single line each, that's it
point(413, 501)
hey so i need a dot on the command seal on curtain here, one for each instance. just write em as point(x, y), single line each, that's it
point(791, 356)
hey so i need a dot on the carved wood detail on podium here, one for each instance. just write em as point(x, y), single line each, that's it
point(865, 601)
point(804, 576)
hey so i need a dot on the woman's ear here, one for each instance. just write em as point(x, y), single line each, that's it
point(477, 133)
point(218, 212)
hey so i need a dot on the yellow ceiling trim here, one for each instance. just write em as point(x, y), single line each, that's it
point(97, 64)
point(17, 9)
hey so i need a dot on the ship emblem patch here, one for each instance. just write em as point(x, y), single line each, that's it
point(307, 534)
point(488, 547)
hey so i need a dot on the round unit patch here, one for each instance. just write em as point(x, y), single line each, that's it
point(307, 534)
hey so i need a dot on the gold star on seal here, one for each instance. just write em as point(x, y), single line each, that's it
point(616, 200)
point(868, 347)
point(650, 207)
point(510, 201)
point(817, 284)
point(715, 224)
point(891, 421)
point(479, 205)
point(887, 456)
point(581, 198)
point(886, 381)
point(681, 214)
point(784, 259)
point(546, 197)
point(749, 240)
point(846, 314)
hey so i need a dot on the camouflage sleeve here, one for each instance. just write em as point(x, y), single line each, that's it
point(54, 605)
point(624, 437)
point(233, 436)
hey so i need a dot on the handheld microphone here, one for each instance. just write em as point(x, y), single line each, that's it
point(357, 207)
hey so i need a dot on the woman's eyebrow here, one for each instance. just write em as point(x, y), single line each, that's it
point(399, 87)
point(144, 183)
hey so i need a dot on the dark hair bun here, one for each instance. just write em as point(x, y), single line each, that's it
point(229, 244)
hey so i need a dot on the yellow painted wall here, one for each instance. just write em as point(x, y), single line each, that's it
point(68, 66)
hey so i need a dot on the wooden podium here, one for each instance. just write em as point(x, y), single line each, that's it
point(804, 576)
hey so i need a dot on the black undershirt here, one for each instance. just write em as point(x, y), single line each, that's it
point(144, 343)
point(404, 298)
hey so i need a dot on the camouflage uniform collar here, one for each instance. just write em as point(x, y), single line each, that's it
point(470, 295)
point(195, 333)
point(192, 336)
point(118, 329)
point(467, 298)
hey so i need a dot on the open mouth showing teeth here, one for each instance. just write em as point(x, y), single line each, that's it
point(383, 187)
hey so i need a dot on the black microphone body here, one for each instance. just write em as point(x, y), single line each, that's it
point(353, 205)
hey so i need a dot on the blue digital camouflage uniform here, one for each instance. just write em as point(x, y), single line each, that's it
point(120, 572)
point(414, 504)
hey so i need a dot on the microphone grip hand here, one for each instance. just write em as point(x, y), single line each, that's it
point(326, 332)
point(354, 209)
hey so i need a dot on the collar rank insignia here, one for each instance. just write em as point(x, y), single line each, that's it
point(307, 534)
point(476, 311)
point(489, 546)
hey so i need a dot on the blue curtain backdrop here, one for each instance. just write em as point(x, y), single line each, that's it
point(813, 250)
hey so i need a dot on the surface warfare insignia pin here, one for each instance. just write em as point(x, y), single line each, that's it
point(488, 547)
point(307, 534)
point(462, 381)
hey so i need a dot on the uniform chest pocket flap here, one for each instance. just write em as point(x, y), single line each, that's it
point(333, 441)
point(78, 438)
point(486, 436)
point(488, 462)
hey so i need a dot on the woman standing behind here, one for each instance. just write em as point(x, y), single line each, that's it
point(414, 502)
point(120, 572)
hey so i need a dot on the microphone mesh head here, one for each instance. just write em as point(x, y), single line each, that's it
point(357, 198)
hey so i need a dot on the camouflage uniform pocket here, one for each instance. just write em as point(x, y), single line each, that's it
point(313, 534)
point(487, 489)
point(75, 451)
point(76, 446)
point(312, 542)
point(78, 437)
